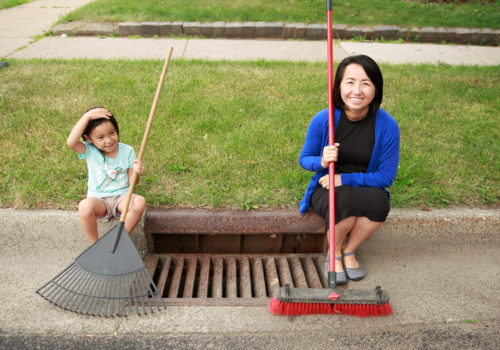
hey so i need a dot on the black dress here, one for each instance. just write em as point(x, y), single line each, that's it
point(356, 141)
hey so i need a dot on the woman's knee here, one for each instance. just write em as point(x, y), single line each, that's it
point(367, 224)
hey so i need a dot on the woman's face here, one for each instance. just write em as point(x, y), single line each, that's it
point(356, 90)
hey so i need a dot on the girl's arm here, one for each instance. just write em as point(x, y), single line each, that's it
point(138, 167)
point(74, 137)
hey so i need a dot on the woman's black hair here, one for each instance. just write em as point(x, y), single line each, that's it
point(96, 122)
point(372, 71)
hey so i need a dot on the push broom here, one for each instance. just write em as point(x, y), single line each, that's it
point(110, 278)
point(299, 301)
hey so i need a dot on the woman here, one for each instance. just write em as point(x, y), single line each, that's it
point(366, 156)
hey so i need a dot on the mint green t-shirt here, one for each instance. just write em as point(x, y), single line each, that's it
point(107, 176)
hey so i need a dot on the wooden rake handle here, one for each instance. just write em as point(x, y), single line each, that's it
point(146, 135)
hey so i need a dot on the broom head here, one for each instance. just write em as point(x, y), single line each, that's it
point(102, 283)
point(301, 301)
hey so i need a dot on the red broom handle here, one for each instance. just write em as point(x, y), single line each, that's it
point(331, 140)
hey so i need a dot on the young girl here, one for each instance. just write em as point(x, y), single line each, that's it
point(110, 166)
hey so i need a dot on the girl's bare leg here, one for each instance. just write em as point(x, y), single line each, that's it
point(134, 212)
point(89, 210)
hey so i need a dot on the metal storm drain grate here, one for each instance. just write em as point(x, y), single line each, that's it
point(189, 279)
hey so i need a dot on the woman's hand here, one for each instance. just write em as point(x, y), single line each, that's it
point(330, 154)
point(324, 181)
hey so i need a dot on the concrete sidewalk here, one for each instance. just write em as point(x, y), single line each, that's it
point(234, 49)
point(19, 26)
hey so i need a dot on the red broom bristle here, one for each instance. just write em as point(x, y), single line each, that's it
point(278, 307)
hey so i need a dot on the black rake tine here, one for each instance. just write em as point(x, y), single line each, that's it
point(84, 301)
point(52, 280)
point(70, 293)
point(75, 293)
point(124, 298)
point(146, 284)
point(112, 306)
point(110, 297)
point(141, 290)
point(130, 291)
point(141, 293)
point(120, 297)
point(64, 286)
point(116, 289)
point(156, 293)
point(54, 283)
point(152, 292)
point(133, 287)
point(95, 297)
point(113, 297)
point(104, 300)
point(126, 295)
point(87, 303)
point(107, 297)
point(82, 294)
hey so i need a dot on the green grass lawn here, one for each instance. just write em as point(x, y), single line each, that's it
point(228, 134)
point(474, 13)
point(11, 3)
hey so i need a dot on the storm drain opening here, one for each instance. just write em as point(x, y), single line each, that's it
point(231, 279)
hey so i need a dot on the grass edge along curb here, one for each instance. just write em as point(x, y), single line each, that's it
point(279, 30)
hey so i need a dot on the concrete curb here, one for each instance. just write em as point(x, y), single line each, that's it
point(44, 230)
point(279, 30)
point(400, 223)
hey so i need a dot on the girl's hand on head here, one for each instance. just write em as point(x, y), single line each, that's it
point(330, 154)
point(97, 113)
point(138, 167)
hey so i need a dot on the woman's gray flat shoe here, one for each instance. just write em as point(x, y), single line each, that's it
point(355, 274)
point(341, 277)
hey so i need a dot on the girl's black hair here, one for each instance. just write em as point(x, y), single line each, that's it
point(96, 122)
point(372, 70)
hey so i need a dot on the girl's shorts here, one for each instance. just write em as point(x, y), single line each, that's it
point(111, 204)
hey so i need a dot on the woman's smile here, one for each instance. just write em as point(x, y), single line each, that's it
point(357, 91)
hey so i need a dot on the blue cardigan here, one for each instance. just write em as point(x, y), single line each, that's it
point(383, 163)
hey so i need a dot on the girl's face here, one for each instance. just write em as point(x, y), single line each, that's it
point(105, 137)
point(356, 90)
